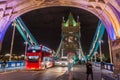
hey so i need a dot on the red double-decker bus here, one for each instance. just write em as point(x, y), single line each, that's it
point(38, 58)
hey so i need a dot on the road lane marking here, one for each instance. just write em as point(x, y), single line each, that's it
point(36, 73)
point(8, 72)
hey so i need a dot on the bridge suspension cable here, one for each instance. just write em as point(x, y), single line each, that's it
point(95, 43)
point(21, 27)
point(27, 36)
point(59, 48)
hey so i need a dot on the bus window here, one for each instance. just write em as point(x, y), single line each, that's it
point(33, 58)
point(33, 51)
point(45, 59)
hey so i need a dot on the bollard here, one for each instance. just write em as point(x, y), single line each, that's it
point(118, 77)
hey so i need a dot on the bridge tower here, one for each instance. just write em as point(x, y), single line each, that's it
point(70, 41)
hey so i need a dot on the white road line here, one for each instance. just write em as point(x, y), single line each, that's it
point(35, 73)
point(8, 72)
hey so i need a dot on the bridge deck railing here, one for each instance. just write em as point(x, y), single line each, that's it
point(12, 65)
point(106, 70)
point(106, 66)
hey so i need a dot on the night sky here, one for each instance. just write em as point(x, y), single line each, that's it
point(45, 25)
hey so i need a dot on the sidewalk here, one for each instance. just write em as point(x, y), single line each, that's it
point(79, 73)
point(4, 70)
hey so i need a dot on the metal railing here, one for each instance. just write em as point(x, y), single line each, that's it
point(106, 66)
point(12, 65)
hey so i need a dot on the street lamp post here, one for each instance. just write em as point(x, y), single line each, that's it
point(100, 41)
point(95, 55)
point(91, 59)
point(62, 53)
point(13, 34)
point(25, 48)
point(110, 50)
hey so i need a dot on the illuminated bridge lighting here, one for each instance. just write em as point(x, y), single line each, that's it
point(112, 34)
point(14, 9)
point(119, 32)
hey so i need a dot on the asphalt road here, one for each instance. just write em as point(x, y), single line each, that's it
point(55, 73)
point(48, 74)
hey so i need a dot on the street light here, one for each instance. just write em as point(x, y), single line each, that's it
point(100, 41)
point(95, 55)
point(25, 48)
point(109, 43)
point(13, 34)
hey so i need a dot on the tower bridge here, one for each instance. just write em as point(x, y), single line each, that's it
point(108, 11)
point(70, 41)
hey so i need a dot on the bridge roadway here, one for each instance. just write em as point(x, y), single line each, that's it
point(55, 73)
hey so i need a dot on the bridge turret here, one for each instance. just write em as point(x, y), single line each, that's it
point(70, 41)
point(70, 26)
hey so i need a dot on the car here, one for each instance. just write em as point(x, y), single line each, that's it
point(62, 62)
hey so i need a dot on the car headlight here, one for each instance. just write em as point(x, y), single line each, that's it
point(66, 63)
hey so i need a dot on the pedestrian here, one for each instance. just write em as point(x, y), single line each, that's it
point(89, 70)
point(102, 65)
point(70, 64)
point(70, 68)
point(70, 61)
point(4, 65)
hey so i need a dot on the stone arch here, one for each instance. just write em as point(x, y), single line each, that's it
point(108, 11)
point(104, 10)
